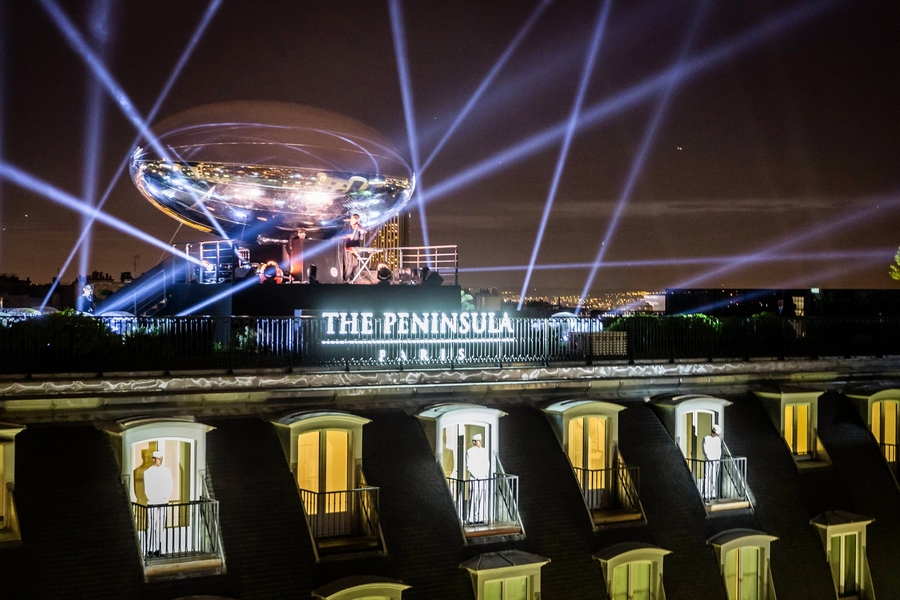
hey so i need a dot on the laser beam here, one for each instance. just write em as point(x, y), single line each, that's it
point(30, 182)
point(633, 95)
point(571, 127)
point(637, 165)
point(489, 78)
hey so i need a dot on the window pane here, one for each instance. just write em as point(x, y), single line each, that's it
point(308, 461)
point(749, 573)
point(337, 469)
point(732, 560)
point(576, 442)
point(689, 437)
point(640, 581)
point(789, 427)
point(876, 421)
point(493, 590)
point(803, 429)
point(835, 559)
point(890, 422)
point(597, 443)
point(850, 563)
point(620, 583)
point(516, 588)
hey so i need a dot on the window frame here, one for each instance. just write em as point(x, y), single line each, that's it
point(518, 564)
point(631, 553)
point(834, 524)
point(738, 539)
point(361, 588)
point(9, 526)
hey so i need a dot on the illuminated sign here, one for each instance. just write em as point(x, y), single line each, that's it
point(426, 323)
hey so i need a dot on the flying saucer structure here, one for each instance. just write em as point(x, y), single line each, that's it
point(263, 171)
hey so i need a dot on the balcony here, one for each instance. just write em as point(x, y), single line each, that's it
point(611, 495)
point(344, 521)
point(487, 507)
point(722, 483)
point(178, 537)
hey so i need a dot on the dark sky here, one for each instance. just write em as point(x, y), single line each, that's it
point(788, 143)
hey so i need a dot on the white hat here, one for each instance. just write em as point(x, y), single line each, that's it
point(477, 436)
point(717, 429)
point(157, 454)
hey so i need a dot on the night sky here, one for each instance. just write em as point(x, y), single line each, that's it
point(780, 140)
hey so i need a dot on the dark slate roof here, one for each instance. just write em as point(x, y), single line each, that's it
point(617, 549)
point(865, 478)
point(421, 531)
point(557, 523)
point(731, 535)
point(838, 517)
point(502, 559)
point(798, 562)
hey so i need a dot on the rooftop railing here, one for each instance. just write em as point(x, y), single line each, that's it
point(346, 513)
point(74, 344)
point(487, 503)
point(722, 480)
point(609, 489)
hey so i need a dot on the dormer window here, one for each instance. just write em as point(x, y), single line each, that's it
point(697, 423)
point(507, 575)
point(9, 521)
point(633, 571)
point(881, 409)
point(163, 462)
point(794, 411)
point(743, 556)
point(324, 451)
point(588, 432)
point(843, 535)
point(465, 439)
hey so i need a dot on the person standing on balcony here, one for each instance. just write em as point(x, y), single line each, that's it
point(478, 465)
point(712, 450)
point(354, 237)
point(158, 487)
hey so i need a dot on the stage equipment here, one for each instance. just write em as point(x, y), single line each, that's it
point(265, 170)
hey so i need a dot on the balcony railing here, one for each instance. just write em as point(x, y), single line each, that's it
point(178, 530)
point(69, 344)
point(609, 489)
point(491, 502)
point(889, 451)
point(347, 513)
point(721, 480)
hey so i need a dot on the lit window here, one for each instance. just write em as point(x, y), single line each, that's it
point(743, 556)
point(633, 571)
point(507, 575)
point(324, 450)
point(843, 535)
point(794, 411)
point(9, 522)
point(796, 428)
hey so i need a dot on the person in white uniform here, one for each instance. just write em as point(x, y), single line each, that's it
point(712, 450)
point(478, 465)
point(158, 487)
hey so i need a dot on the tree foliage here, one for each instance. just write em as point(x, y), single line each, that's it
point(895, 268)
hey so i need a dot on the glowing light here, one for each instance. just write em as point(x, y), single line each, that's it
point(640, 92)
point(103, 76)
point(173, 76)
point(572, 126)
point(637, 164)
point(29, 182)
point(220, 296)
point(489, 78)
point(408, 111)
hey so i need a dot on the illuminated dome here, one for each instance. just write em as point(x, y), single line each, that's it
point(264, 170)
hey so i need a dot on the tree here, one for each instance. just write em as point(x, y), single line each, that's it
point(895, 268)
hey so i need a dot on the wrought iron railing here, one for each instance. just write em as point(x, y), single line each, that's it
point(347, 513)
point(720, 480)
point(889, 451)
point(492, 502)
point(613, 488)
point(178, 530)
point(69, 344)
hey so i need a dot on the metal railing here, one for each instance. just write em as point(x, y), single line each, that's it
point(613, 488)
point(347, 513)
point(441, 259)
point(889, 451)
point(720, 480)
point(179, 530)
point(491, 502)
point(60, 343)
